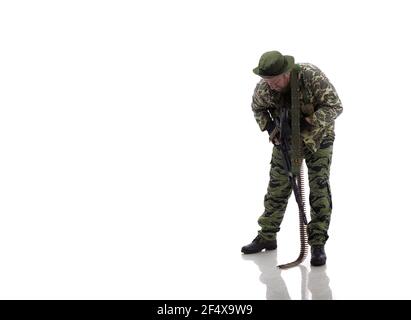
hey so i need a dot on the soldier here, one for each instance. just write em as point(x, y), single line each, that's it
point(320, 106)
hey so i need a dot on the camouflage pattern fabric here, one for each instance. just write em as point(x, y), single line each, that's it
point(279, 190)
point(318, 99)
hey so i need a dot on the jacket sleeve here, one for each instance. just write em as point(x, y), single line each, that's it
point(261, 114)
point(328, 103)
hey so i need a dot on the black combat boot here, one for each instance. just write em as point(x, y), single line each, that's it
point(318, 256)
point(258, 244)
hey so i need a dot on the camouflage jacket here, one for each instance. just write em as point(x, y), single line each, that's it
point(318, 100)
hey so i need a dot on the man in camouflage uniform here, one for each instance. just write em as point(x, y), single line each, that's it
point(320, 106)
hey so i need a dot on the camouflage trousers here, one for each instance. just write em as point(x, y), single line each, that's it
point(279, 191)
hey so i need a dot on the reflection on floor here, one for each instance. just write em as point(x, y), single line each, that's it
point(316, 282)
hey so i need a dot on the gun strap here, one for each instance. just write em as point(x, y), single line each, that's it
point(295, 162)
point(295, 125)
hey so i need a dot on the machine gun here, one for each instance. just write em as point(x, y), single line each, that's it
point(296, 180)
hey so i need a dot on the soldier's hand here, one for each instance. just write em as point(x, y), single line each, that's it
point(309, 120)
point(274, 137)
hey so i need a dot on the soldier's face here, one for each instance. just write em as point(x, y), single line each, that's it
point(278, 83)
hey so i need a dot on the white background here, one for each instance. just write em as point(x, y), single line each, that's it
point(131, 166)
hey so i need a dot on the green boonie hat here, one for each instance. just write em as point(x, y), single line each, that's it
point(273, 63)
